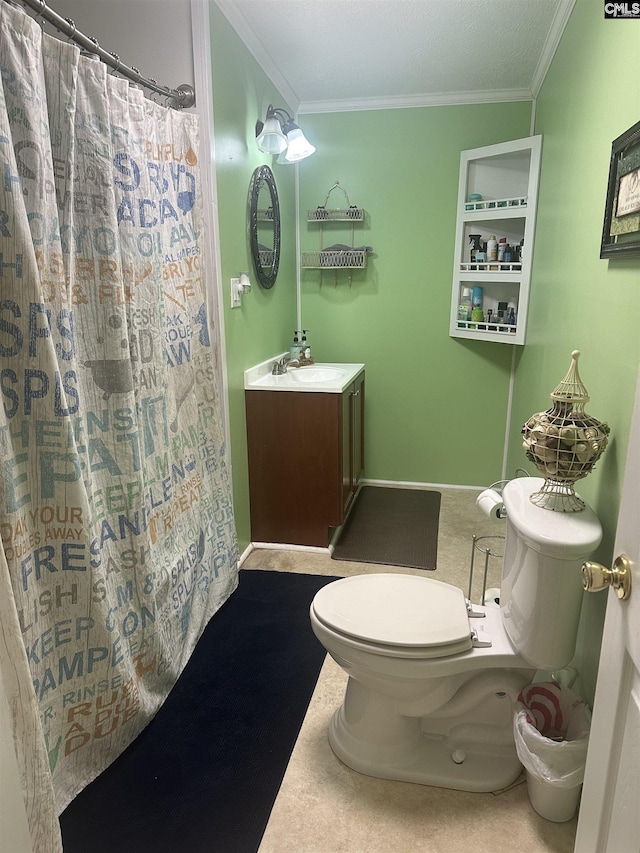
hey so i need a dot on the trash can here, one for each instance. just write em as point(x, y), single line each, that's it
point(551, 730)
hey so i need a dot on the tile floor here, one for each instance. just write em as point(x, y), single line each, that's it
point(325, 807)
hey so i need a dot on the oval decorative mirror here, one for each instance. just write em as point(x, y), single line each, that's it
point(264, 225)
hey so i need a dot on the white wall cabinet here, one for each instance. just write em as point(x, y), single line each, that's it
point(506, 177)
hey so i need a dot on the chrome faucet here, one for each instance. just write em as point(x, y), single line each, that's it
point(280, 367)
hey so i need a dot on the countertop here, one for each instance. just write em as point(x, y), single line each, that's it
point(306, 379)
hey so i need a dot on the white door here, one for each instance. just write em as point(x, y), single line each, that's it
point(609, 820)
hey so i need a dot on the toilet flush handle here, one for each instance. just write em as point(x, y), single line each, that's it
point(596, 577)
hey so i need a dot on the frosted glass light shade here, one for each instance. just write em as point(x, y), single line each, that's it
point(299, 146)
point(271, 139)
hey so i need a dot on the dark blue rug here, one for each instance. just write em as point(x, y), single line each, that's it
point(204, 774)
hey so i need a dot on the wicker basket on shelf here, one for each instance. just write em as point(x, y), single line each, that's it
point(564, 443)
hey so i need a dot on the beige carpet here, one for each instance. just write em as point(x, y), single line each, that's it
point(325, 807)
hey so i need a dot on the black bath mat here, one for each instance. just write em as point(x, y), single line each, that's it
point(395, 527)
point(204, 774)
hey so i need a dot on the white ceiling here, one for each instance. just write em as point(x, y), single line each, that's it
point(329, 55)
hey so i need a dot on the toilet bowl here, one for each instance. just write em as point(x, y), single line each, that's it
point(433, 678)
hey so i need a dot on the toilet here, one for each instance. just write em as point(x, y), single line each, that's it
point(432, 677)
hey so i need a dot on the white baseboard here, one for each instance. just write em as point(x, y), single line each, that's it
point(281, 546)
point(410, 484)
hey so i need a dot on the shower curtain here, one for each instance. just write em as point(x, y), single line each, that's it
point(118, 538)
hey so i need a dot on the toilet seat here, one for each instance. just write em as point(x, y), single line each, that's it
point(406, 616)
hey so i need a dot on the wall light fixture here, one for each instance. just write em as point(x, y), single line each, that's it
point(279, 134)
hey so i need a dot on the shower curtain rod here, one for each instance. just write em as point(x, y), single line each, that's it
point(181, 98)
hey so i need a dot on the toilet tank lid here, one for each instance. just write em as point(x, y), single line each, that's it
point(567, 535)
point(395, 609)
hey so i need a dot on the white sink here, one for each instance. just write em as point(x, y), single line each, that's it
point(321, 378)
point(316, 373)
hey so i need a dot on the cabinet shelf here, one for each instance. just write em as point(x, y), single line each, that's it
point(495, 205)
point(501, 328)
point(493, 267)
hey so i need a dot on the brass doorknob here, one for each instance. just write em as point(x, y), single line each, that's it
point(596, 577)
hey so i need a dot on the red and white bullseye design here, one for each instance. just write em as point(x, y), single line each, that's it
point(544, 709)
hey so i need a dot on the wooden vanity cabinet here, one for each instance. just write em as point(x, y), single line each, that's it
point(306, 458)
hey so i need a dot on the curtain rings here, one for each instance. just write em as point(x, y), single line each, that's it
point(72, 24)
point(39, 14)
point(119, 63)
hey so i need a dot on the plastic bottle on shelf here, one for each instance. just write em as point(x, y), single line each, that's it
point(477, 315)
point(511, 316)
point(492, 248)
point(464, 307)
point(477, 297)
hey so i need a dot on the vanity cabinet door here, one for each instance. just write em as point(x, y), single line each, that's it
point(295, 466)
point(352, 441)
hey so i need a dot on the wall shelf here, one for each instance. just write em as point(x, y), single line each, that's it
point(324, 214)
point(337, 256)
point(334, 260)
point(506, 176)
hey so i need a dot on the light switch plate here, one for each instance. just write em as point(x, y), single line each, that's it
point(236, 296)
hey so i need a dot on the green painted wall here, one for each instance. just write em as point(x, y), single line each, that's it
point(436, 406)
point(262, 326)
point(589, 97)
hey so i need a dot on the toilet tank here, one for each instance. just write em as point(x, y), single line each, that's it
point(541, 591)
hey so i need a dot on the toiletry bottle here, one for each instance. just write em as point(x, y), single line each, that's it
point(464, 308)
point(305, 347)
point(477, 315)
point(511, 318)
point(492, 248)
point(474, 246)
point(478, 293)
point(295, 348)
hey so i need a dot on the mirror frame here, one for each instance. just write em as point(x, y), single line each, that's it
point(263, 176)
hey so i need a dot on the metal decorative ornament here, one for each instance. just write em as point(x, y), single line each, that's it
point(564, 443)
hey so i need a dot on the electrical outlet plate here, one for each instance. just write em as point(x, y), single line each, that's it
point(236, 293)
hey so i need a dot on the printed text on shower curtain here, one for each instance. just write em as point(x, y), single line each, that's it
point(115, 512)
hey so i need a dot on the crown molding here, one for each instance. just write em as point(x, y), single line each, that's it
point(444, 99)
point(246, 34)
point(560, 20)
point(244, 30)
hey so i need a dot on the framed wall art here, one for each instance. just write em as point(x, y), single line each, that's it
point(621, 229)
